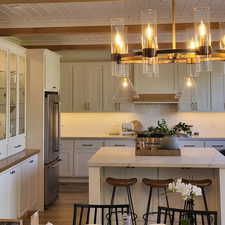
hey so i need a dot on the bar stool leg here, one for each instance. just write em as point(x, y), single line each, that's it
point(113, 195)
point(131, 205)
point(148, 206)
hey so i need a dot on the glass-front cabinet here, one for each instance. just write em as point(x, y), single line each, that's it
point(13, 94)
point(12, 98)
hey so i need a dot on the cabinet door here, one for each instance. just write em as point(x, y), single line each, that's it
point(25, 189)
point(13, 95)
point(203, 90)
point(66, 87)
point(33, 182)
point(14, 188)
point(87, 87)
point(110, 84)
point(4, 195)
point(81, 158)
point(3, 94)
point(217, 87)
point(22, 74)
point(164, 84)
point(52, 70)
point(66, 165)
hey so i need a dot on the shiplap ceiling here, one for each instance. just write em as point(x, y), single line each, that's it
point(96, 13)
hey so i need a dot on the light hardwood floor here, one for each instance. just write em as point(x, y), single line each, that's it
point(61, 212)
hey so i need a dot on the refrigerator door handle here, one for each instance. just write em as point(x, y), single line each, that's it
point(57, 128)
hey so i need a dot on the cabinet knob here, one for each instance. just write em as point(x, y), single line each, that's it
point(31, 161)
point(12, 172)
point(54, 87)
point(17, 146)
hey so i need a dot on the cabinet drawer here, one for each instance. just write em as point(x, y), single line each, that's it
point(66, 145)
point(88, 144)
point(3, 149)
point(16, 144)
point(191, 144)
point(219, 145)
point(120, 143)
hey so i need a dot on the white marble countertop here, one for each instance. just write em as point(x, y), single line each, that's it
point(125, 157)
point(100, 137)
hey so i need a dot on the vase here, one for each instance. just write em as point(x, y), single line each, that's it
point(169, 142)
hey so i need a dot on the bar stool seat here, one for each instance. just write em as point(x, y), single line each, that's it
point(121, 182)
point(124, 183)
point(200, 183)
point(157, 183)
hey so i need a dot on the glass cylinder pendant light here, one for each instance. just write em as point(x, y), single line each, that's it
point(124, 91)
point(119, 47)
point(222, 35)
point(203, 37)
point(149, 42)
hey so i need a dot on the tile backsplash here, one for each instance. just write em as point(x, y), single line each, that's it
point(97, 124)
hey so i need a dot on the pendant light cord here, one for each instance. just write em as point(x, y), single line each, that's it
point(174, 24)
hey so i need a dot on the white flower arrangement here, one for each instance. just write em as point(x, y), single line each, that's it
point(188, 191)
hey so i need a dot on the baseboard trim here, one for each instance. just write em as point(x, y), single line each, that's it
point(73, 179)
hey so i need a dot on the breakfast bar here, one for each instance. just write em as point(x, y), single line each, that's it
point(121, 162)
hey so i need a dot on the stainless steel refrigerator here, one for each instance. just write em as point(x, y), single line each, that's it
point(51, 145)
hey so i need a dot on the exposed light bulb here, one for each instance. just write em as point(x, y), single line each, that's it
point(119, 41)
point(149, 32)
point(125, 83)
point(202, 29)
point(192, 44)
point(189, 82)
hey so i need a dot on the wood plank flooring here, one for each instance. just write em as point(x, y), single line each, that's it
point(61, 212)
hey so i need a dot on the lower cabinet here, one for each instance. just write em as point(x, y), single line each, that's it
point(18, 192)
point(76, 153)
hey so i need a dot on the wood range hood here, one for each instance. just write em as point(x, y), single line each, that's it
point(156, 98)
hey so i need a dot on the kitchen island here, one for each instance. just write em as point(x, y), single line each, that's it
point(121, 162)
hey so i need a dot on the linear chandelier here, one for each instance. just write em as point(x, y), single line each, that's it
point(198, 53)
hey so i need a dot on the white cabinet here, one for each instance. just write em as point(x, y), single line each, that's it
point(3, 149)
point(120, 143)
point(14, 189)
point(18, 192)
point(4, 195)
point(164, 84)
point(52, 71)
point(217, 87)
point(66, 87)
point(87, 87)
point(66, 155)
point(191, 144)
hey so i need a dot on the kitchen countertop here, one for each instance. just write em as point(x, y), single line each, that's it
point(125, 157)
point(17, 158)
point(100, 137)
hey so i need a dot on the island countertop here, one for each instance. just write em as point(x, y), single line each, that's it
point(125, 157)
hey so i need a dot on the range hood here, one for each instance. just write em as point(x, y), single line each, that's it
point(156, 98)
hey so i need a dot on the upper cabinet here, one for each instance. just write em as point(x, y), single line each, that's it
point(52, 71)
point(89, 87)
point(12, 98)
point(164, 84)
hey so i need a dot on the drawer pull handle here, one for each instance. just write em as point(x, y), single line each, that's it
point(217, 146)
point(54, 87)
point(17, 146)
point(12, 172)
point(87, 145)
point(31, 161)
point(118, 145)
point(189, 145)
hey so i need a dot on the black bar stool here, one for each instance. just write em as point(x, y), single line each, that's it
point(155, 183)
point(201, 184)
point(125, 183)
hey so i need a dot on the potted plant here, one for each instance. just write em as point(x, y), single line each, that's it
point(164, 136)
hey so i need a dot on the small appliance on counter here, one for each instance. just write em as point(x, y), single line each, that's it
point(131, 128)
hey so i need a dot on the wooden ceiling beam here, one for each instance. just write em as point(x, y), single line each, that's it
point(47, 1)
point(91, 29)
point(103, 46)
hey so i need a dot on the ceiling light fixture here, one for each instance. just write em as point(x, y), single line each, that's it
point(198, 52)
